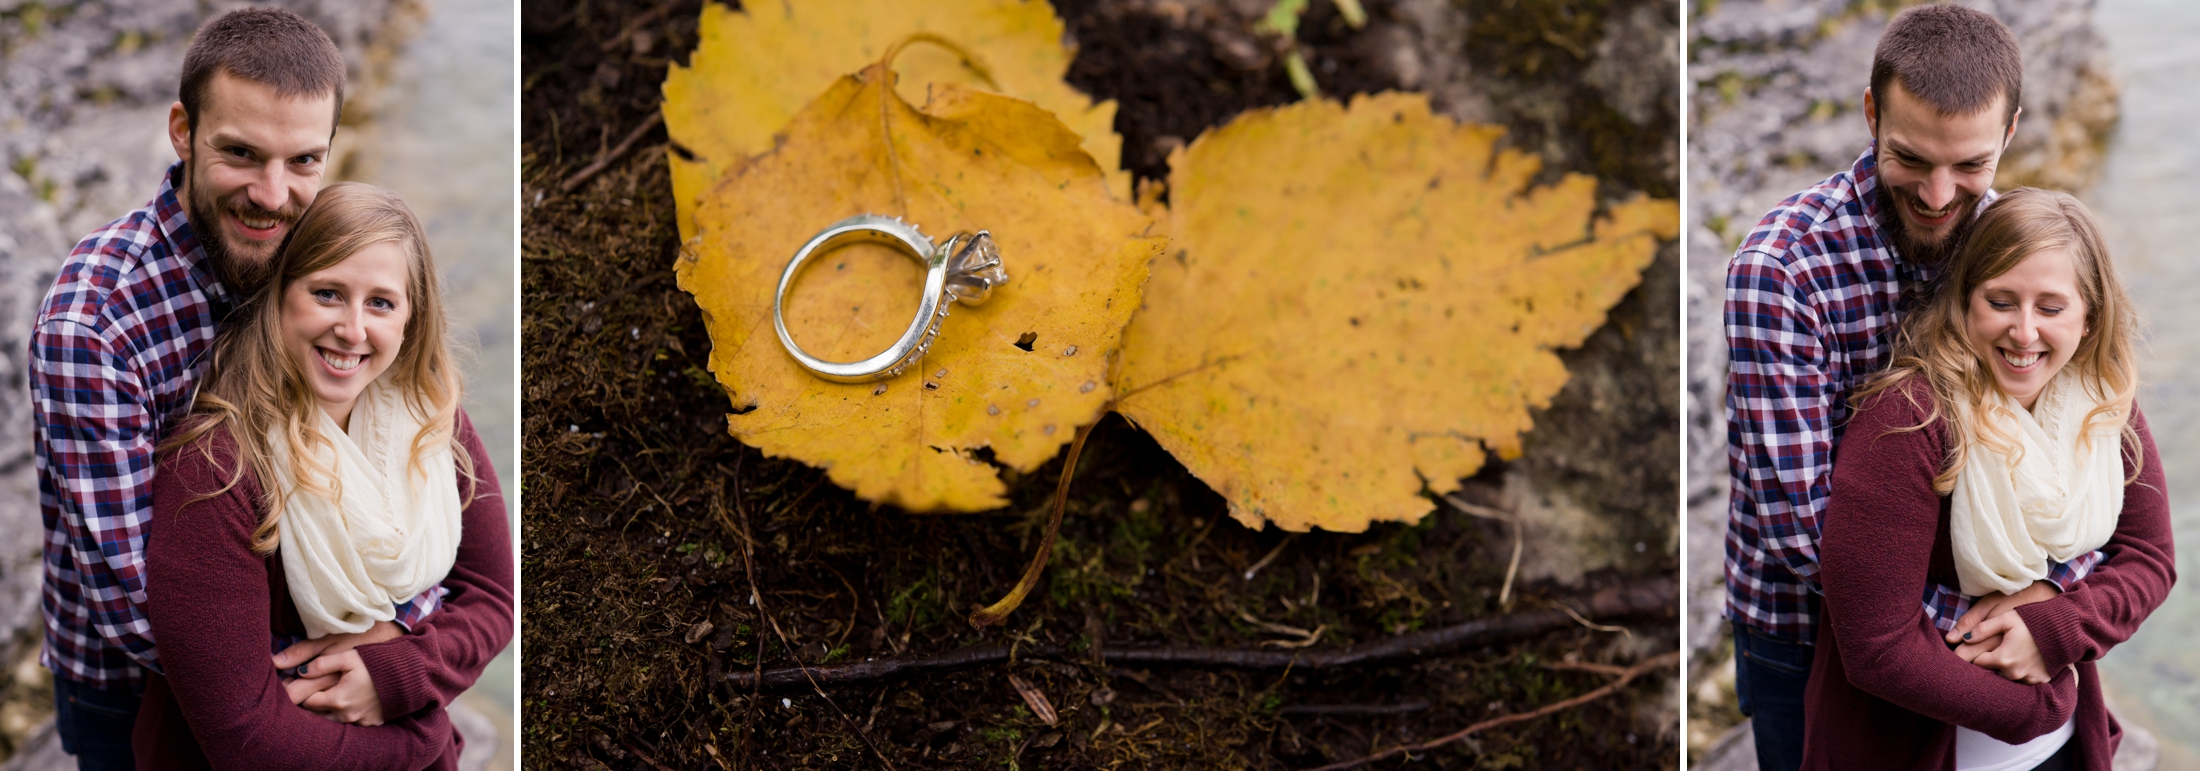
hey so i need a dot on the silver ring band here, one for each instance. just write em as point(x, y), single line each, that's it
point(965, 269)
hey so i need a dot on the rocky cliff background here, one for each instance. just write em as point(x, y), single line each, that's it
point(1775, 105)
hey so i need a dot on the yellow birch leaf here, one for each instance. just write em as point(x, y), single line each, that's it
point(1360, 303)
point(753, 70)
point(1075, 255)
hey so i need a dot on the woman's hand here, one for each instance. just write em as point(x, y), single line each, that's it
point(333, 679)
point(302, 652)
point(1996, 604)
point(338, 686)
point(2006, 646)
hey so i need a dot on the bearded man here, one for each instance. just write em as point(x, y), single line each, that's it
point(117, 353)
point(1813, 300)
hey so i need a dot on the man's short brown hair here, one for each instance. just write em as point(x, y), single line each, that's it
point(1952, 58)
point(270, 46)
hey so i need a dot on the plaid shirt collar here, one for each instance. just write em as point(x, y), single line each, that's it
point(175, 228)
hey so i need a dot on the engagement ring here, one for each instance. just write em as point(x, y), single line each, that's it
point(966, 269)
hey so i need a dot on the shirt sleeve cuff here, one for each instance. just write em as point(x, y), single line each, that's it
point(411, 612)
point(400, 673)
point(2067, 574)
point(2055, 629)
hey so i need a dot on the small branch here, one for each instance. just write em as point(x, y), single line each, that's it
point(1655, 598)
point(1355, 709)
point(603, 161)
point(1670, 658)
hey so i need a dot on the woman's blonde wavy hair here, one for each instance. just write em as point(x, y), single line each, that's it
point(257, 390)
point(1933, 342)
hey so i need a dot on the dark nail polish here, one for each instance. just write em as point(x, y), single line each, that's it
point(1966, 636)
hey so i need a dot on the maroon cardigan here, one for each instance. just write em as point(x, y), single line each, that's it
point(1886, 692)
point(218, 703)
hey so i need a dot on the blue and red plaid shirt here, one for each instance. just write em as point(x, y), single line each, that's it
point(114, 357)
point(1813, 298)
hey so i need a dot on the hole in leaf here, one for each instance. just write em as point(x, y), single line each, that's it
point(985, 455)
point(745, 409)
point(1026, 340)
point(684, 153)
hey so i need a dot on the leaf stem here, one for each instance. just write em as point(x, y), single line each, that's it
point(997, 612)
point(883, 75)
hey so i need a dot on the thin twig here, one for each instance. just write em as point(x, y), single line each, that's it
point(855, 604)
point(1272, 555)
point(1273, 626)
point(603, 161)
point(1668, 659)
point(1504, 595)
point(748, 564)
point(756, 689)
point(1354, 709)
point(647, 17)
point(1654, 598)
point(1583, 666)
point(1599, 627)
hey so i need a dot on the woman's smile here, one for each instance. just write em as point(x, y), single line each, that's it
point(344, 364)
point(2026, 322)
point(344, 323)
point(2020, 361)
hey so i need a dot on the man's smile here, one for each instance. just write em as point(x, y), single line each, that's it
point(1931, 217)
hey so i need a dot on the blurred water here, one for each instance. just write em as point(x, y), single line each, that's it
point(445, 141)
point(2149, 195)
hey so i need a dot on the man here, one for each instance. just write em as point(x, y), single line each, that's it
point(1814, 296)
point(117, 353)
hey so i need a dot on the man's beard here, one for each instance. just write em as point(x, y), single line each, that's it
point(241, 276)
point(1912, 249)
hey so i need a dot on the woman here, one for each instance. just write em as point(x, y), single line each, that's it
point(325, 475)
point(2003, 436)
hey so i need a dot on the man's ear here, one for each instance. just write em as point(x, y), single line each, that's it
point(1871, 114)
point(2011, 135)
point(179, 132)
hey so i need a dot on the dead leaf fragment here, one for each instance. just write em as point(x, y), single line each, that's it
point(753, 70)
point(1359, 303)
point(1075, 255)
point(1034, 698)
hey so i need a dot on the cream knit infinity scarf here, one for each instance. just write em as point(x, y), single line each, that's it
point(393, 533)
point(2058, 500)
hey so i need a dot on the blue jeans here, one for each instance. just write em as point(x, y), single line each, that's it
point(1770, 676)
point(94, 723)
